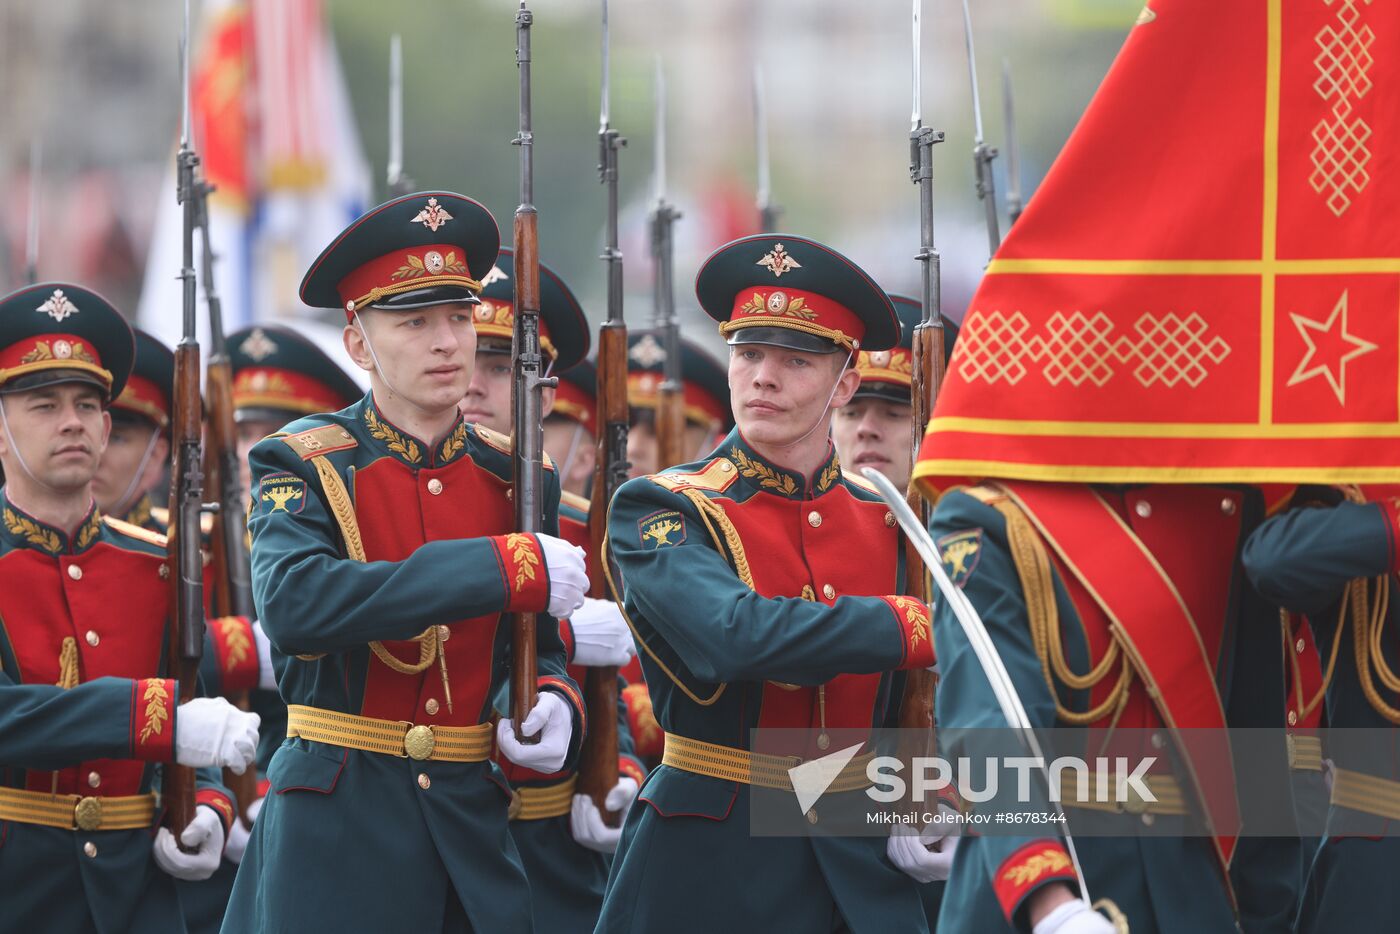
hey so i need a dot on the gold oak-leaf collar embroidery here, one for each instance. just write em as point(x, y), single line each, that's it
point(767, 477)
point(406, 448)
point(41, 538)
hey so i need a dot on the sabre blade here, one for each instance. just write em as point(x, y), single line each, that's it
point(982, 646)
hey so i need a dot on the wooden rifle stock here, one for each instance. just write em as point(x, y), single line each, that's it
point(598, 759)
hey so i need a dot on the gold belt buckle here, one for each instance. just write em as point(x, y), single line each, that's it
point(87, 813)
point(418, 742)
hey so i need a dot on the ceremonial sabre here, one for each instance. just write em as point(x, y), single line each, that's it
point(982, 646)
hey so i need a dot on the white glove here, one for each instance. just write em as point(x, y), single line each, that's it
point(552, 719)
point(1073, 918)
point(267, 678)
point(205, 835)
point(601, 636)
point(927, 855)
point(587, 824)
point(238, 834)
point(568, 575)
point(211, 731)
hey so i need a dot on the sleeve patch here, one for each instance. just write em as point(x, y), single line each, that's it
point(282, 492)
point(665, 527)
point(960, 552)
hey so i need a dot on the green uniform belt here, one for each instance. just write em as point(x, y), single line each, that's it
point(539, 802)
point(391, 737)
point(75, 812)
point(1366, 793)
point(751, 768)
point(1304, 752)
point(1164, 788)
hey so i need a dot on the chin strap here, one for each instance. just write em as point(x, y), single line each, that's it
point(123, 505)
point(826, 409)
point(568, 460)
point(19, 456)
point(374, 357)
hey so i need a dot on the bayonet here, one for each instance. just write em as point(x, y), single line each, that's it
point(31, 240)
point(670, 417)
point(768, 212)
point(1013, 148)
point(982, 154)
point(398, 183)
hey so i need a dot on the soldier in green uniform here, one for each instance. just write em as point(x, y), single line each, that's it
point(737, 579)
point(139, 448)
point(1335, 560)
point(85, 710)
point(563, 840)
point(385, 560)
point(1099, 599)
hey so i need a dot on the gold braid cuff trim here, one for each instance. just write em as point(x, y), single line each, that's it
point(391, 737)
point(1038, 587)
point(1368, 794)
point(1304, 752)
point(344, 512)
point(539, 803)
point(74, 812)
point(751, 768)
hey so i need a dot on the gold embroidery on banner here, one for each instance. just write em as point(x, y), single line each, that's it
point(1032, 868)
point(236, 640)
point(523, 556)
point(405, 448)
point(1340, 156)
point(156, 698)
point(917, 618)
point(46, 539)
point(454, 442)
point(767, 477)
point(1078, 348)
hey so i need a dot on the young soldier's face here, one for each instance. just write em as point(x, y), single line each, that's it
point(574, 451)
point(875, 433)
point(126, 447)
point(60, 431)
point(426, 355)
point(780, 396)
point(487, 401)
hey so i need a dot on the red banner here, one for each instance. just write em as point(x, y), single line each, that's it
point(1207, 285)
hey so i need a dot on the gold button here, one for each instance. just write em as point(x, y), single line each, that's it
point(435, 486)
point(75, 572)
point(165, 572)
point(1300, 645)
point(87, 814)
point(1143, 508)
point(1227, 506)
point(814, 518)
point(92, 638)
point(90, 848)
point(1292, 718)
point(94, 779)
point(444, 633)
point(829, 592)
point(431, 706)
point(889, 519)
point(812, 816)
point(424, 781)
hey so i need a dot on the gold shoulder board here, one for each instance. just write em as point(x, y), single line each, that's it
point(317, 441)
point(851, 476)
point(503, 443)
point(574, 500)
point(135, 531)
point(715, 477)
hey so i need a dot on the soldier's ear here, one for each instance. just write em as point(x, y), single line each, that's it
point(357, 347)
point(846, 388)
